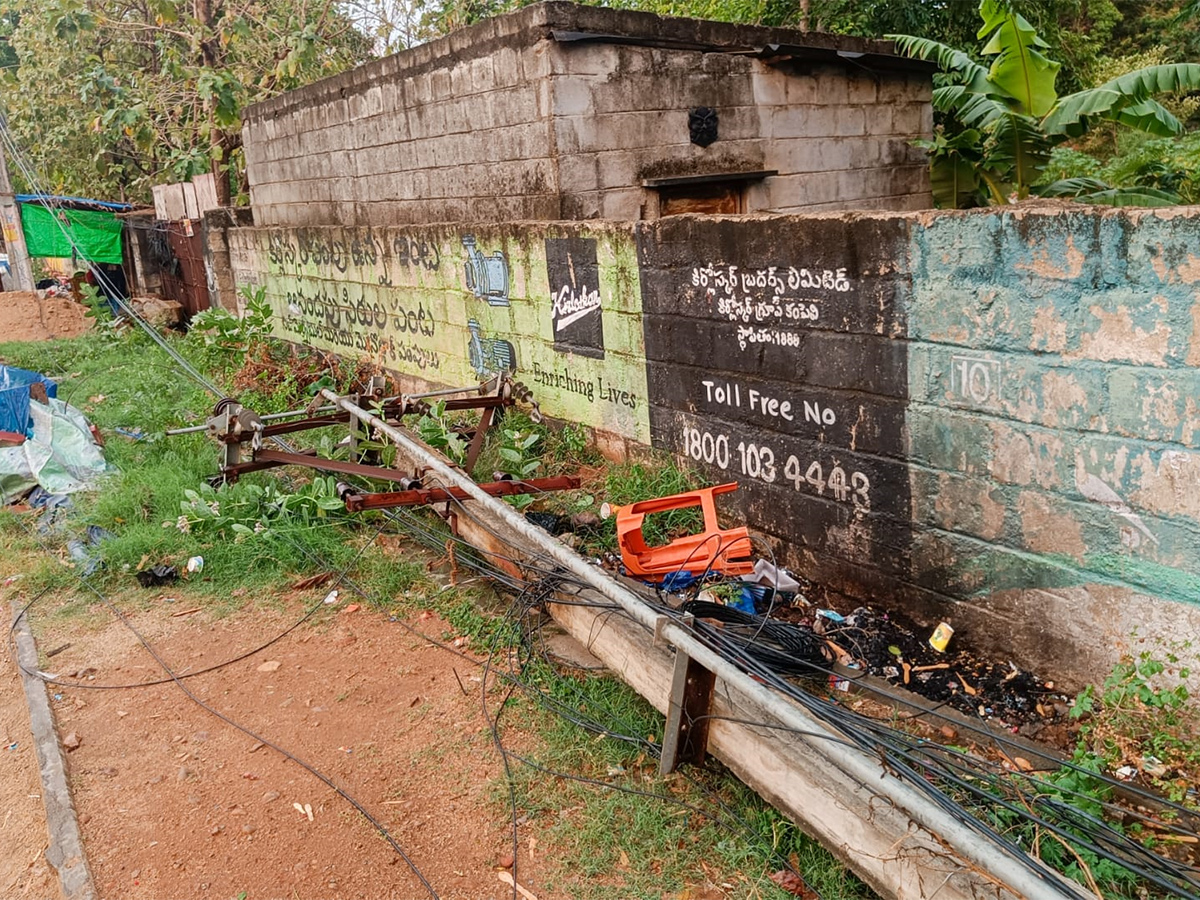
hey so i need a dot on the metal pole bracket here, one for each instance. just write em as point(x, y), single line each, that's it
point(685, 737)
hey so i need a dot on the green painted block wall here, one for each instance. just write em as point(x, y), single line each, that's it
point(1019, 388)
point(1055, 356)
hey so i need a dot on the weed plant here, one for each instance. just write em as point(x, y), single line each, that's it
point(661, 477)
point(1141, 717)
point(159, 481)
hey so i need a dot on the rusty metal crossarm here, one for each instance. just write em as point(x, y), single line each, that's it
point(1005, 868)
point(304, 424)
point(423, 496)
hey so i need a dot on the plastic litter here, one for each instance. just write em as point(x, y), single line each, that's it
point(678, 581)
point(768, 574)
point(726, 551)
point(61, 455)
point(745, 600)
point(14, 398)
point(331, 598)
point(195, 565)
point(87, 561)
point(157, 575)
point(55, 506)
point(767, 586)
point(941, 636)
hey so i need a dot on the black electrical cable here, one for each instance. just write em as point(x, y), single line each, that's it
point(188, 368)
point(897, 761)
point(516, 680)
point(308, 767)
point(980, 727)
point(342, 576)
point(952, 807)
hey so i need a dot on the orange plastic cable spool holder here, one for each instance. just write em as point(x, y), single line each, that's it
point(713, 550)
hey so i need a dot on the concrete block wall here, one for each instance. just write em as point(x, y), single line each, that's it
point(554, 304)
point(453, 130)
point(990, 418)
point(218, 264)
point(1054, 423)
point(502, 122)
point(776, 358)
point(843, 140)
point(621, 116)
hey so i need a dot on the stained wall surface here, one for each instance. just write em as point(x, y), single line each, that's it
point(990, 418)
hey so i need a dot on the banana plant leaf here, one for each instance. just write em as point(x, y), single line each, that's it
point(1020, 69)
point(1127, 99)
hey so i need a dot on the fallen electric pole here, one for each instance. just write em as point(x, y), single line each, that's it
point(894, 837)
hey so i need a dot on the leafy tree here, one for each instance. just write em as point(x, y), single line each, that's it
point(1078, 31)
point(1002, 121)
point(394, 25)
point(1145, 24)
point(114, 96)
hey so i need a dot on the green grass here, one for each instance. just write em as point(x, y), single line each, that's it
point(124, 381)
point(609, 843)
point(660, 477)
point(616, 844)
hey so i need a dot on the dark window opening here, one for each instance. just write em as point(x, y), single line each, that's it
point(719, 198)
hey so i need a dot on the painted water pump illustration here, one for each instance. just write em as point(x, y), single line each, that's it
point(487, 276)
point(489, 356)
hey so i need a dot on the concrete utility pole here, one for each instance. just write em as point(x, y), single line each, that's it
point(14, 236)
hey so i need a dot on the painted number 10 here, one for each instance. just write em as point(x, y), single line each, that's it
point(974, 379)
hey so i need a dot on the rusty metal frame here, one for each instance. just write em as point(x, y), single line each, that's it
point(241, 433)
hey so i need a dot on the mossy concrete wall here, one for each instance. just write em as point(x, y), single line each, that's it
point(989, 417)
point(1054, 422)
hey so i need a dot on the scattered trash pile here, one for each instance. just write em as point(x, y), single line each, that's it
point(761, 604)
point(881, 646)
point(44, 441)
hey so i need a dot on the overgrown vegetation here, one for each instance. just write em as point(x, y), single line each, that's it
point(111, 98)
point(160, 481)
point(1000, 122)
point(260, 535)
point(1140, 720)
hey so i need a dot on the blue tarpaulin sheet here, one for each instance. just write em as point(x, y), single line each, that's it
point(14, 398)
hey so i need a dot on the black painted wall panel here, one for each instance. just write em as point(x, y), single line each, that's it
point(773, 360)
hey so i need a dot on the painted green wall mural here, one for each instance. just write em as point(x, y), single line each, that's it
point(559, 307)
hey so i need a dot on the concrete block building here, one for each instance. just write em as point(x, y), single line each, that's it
point(566, 112)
